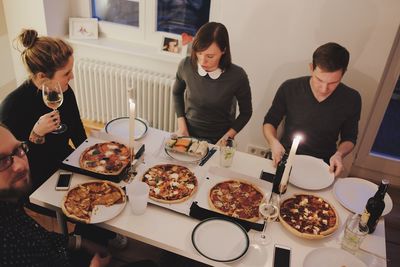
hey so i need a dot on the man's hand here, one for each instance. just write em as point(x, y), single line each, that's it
point(47, 123)
point(277, 152)
point(336, 164)
point(100, 260)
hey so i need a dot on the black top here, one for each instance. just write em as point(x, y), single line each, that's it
point(23, 242)
point(209, 105)
point(320, 123)
point(22, 108)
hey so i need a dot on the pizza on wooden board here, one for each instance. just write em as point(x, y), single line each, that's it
point(170, 183)
point(236, 198)
point(308, 216)
point(108, 158)
point(80, 202)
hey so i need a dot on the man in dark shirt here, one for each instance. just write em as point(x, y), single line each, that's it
point(320, 108)
point(23, 242)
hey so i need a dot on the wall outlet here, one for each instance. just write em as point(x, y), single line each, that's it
point(257, 150)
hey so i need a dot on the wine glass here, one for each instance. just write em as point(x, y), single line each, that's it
point(53, 98)
point(269, 211)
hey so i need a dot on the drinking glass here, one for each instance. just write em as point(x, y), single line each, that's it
point(269, 211)
point(53, 98)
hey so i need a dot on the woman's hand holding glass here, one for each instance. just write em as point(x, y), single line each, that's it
point(47, 123)
point(53, 98)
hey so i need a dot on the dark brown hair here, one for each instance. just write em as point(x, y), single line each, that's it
point(43, 54)
point(209, 33)
point(331, 57)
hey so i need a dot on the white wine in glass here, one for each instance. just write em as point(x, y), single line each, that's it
point(53, 98)
point(270, 212)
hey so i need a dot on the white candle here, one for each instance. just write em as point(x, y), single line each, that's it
point(131, 122)
point(289, 162)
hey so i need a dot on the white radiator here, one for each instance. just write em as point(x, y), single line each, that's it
point(101, 89)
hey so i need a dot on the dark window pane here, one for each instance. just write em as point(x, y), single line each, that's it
point(387, 141)
point(117, 11)
point(179, 16)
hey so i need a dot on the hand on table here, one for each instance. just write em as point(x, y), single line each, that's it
point(47, 123)
point(277, 152)
point(336, 164)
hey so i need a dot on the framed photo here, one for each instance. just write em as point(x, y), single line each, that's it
point(173, 46)
point(83, 28)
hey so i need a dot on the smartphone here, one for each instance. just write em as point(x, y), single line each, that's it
point(64, 180)
point(281, 256)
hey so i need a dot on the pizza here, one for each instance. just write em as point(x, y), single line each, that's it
point(108, 158)
point(80, 202)
point(308, 216)
point(236, 198)
point(170, 183)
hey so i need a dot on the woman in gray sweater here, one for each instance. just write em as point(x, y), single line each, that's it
point(208, 86)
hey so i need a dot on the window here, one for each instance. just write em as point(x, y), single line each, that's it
point(147, 21)
point(179, 16)
point(117, 11)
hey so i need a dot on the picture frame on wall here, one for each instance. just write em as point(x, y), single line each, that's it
point(83, 28)
point(173, 46)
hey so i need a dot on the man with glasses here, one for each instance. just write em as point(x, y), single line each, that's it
point(23, 242)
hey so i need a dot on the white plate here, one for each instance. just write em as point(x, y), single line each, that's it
point(331, 257)
point(220, 240)
point(353, 194)
point(310, 173)
point(120, 127)
point(185, 157)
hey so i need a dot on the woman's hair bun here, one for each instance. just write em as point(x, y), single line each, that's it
point(28, 38)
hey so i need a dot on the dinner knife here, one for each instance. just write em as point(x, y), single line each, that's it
point(138, 154)
point(208, 156)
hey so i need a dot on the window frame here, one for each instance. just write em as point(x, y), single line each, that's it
point(146, 32)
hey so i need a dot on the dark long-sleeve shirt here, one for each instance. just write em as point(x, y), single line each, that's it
point(321, 123)
point(207, 104)
point(22, 108)
point(23, 242)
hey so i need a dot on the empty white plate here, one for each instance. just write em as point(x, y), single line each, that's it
point(220, 240)
point(331, 257)
point(310, 173)
point(353, 194)
point(119, 127)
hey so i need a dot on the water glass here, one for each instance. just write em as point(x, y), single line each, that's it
point(353, 233)
point(138, 195)
point(226, 152)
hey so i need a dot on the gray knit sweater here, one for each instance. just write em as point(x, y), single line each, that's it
point(209, 105)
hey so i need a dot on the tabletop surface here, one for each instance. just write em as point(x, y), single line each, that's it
point(172, 231)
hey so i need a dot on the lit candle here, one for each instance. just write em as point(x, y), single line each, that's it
point(131, 122)
point(289, 163)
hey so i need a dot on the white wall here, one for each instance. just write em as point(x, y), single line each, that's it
point(21, 14)
point(7, 77)
point(273, 41)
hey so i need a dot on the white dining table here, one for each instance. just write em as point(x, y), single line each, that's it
point(172, 231)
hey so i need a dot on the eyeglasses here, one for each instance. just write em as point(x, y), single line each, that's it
point(20, 151)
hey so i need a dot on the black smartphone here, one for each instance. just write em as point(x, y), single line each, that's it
point(64, 180)
point(281, 256)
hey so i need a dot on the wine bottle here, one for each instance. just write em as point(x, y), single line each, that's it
point(276, 188)
point(376, 205)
